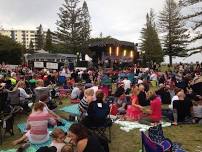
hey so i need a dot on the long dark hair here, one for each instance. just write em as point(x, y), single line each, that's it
point(99, 96)
point(79, 130)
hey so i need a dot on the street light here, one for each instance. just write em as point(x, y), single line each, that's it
point(77, 55)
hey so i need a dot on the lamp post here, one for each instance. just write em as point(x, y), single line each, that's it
point(77, 57)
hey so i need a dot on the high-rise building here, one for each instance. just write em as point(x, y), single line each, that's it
point(22, 36)
point(26, 36)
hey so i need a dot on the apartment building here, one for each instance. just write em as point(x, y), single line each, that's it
point(26, 36)
point(22, 36)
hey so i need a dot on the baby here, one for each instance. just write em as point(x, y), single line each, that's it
point(58, 136)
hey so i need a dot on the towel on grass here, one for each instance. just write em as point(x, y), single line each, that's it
point(65, 128)
point(128, 125)
point(72, 109)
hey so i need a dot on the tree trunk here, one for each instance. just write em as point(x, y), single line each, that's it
point(170, 60)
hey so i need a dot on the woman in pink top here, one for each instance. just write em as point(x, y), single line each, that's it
point(153, 114)
point(134, 111)
point(37, 125)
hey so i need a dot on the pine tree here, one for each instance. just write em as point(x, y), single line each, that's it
point(194, 20)
point(39, 38)
point(150, 41)
point(31, 47)
point(86, 28)
point(48, 44)
point(69, 25)
point(175, 40)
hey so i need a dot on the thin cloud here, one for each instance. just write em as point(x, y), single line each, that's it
point(122, 19)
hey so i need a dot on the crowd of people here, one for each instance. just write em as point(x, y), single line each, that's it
point(132, 94)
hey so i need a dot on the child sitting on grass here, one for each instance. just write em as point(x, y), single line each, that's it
point(58, 136)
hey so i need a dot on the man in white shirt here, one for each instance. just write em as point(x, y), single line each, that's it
point(23, 94)
point(127, 83)
point(75, 92)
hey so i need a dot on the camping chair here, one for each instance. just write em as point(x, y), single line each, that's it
point(45, 92)
point(13, 97)
point(7, 122)
point(101, 130)
point(156, 133)
point(41, 92)
point(150, 146)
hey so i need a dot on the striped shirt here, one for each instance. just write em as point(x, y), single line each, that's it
point(39, 126)
point(83, 105)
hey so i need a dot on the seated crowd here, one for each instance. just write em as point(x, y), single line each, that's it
point(101, 97)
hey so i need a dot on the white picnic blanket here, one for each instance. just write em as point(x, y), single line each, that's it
point(128, 125)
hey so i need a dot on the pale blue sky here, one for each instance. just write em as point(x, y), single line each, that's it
point(122, 19)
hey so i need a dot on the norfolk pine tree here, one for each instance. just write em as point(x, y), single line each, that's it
point(69, 25)
point(195, 18)
point(31, 47)
point(48, 44)
point(39, 38)
point(150, 42)
point(176, 39)
point(86, 27)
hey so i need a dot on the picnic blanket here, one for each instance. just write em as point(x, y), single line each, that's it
point(72, 109)
point(128, 125)
point(65, 127)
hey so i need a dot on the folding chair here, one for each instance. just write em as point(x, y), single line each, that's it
point(101, 130)
point(13, 97)
point(150, 146)
point(41, 92)
point(7, 122)
point(44, 91)
point(156, 134)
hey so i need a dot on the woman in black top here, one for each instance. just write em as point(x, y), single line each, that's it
point(97, 111)
point(83, 140)
point(182, 109)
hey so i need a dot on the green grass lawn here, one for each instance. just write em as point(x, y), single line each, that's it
point(190, 136)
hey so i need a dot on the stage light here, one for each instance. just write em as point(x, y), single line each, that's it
point(117, 51)
point(110, 51)
point(131, 54)
point(124, 53)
